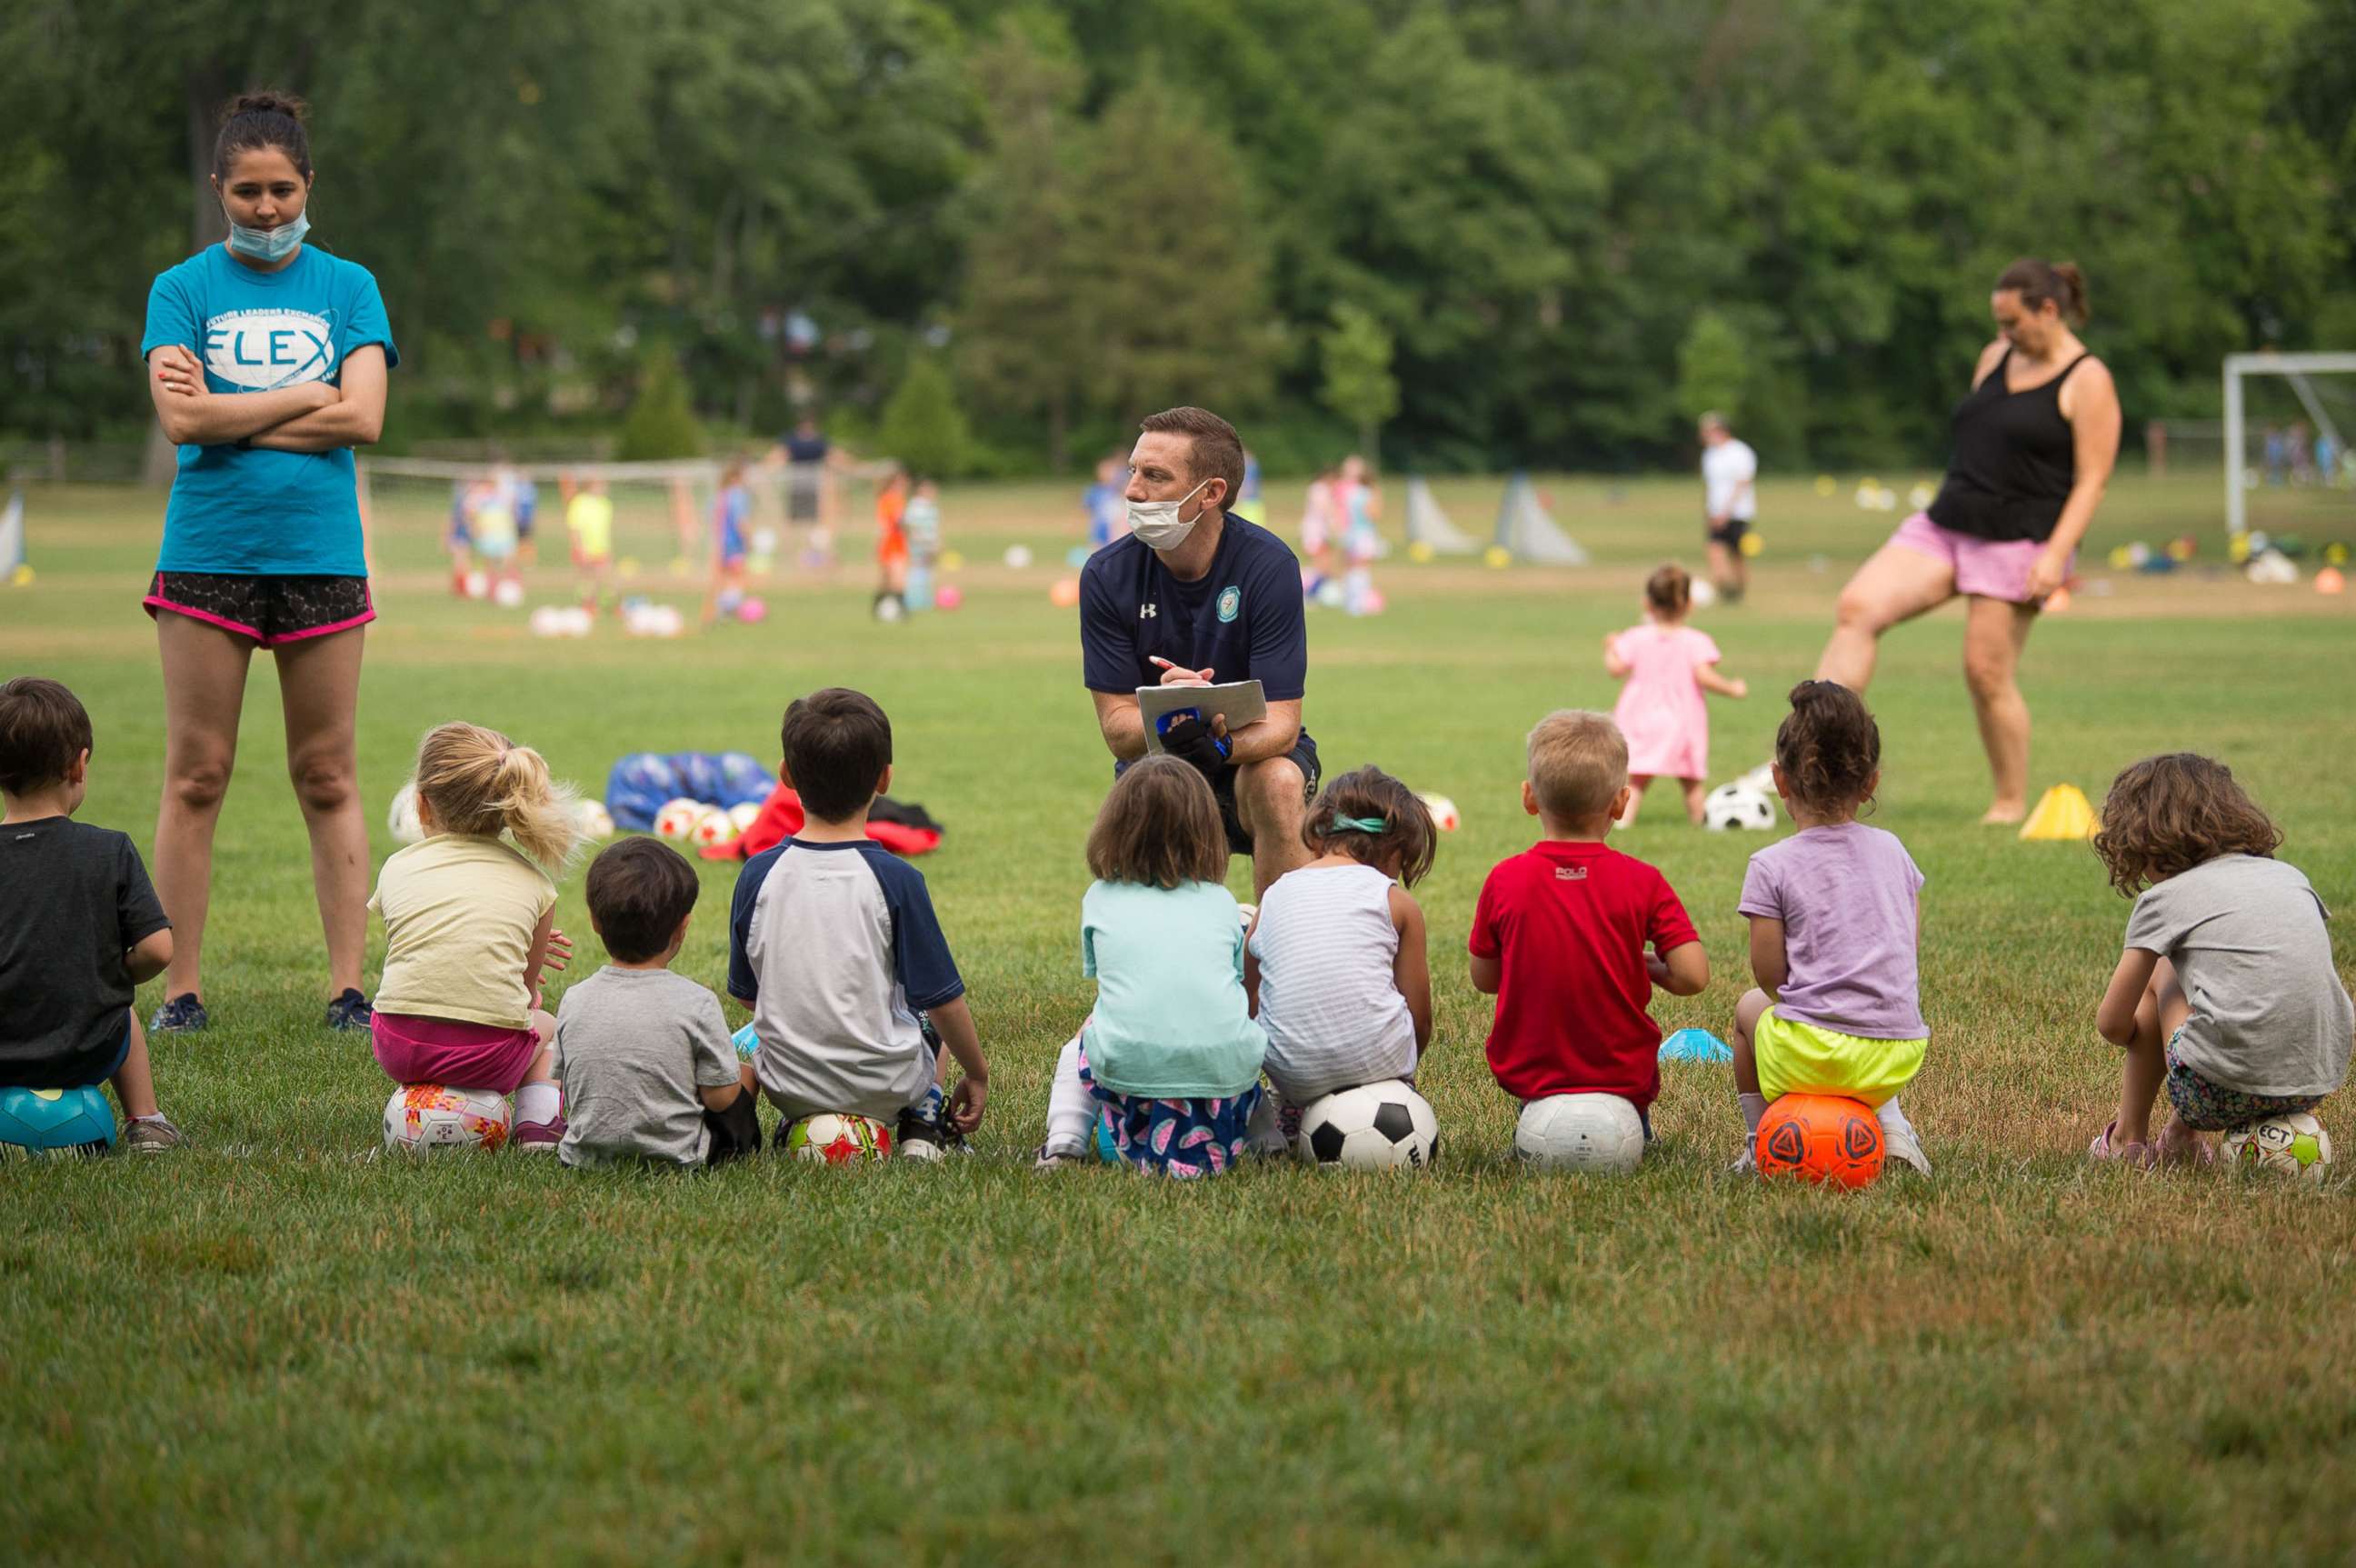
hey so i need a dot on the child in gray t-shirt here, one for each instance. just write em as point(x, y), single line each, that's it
point(2226, 992)
point(644, 1055)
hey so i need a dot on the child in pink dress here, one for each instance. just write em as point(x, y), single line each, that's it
point(1666, 665)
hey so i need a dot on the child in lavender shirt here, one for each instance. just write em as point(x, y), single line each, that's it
point(1835, 911)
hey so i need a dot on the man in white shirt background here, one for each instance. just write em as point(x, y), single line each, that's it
point(1731, 498)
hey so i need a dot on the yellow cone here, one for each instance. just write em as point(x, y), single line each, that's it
point(2062, 813)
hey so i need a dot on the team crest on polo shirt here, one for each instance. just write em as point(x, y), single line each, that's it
point(259, 350)
point(1231, 602)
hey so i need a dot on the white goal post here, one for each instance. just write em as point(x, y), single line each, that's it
point(2295, 369)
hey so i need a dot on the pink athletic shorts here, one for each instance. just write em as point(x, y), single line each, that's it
point(448, 1051)
point(1990, 568)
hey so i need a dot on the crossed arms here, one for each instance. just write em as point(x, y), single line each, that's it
point(313, 418)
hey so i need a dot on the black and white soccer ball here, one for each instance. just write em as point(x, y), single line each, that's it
point(1373, 1127)
point(1739, 806)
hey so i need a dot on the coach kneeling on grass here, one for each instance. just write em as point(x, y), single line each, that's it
point(1192, 596)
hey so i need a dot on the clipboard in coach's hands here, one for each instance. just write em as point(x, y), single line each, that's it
point(1240, 702)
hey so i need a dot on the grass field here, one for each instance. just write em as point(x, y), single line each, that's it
point(277, 1347)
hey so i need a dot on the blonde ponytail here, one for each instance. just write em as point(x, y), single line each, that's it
point(477, 781)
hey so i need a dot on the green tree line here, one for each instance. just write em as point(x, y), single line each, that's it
point(1484, 232)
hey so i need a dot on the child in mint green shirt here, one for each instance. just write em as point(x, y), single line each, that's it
point(1165, 1073)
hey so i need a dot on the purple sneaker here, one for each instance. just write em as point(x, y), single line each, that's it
point(538, 1137)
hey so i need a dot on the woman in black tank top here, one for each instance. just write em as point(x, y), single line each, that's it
point(2034, 441)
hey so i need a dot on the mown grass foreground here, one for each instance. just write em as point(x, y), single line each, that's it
point(278, 1345)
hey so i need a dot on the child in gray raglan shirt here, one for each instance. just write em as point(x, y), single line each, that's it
point(2226, 992)
point(644, 1055)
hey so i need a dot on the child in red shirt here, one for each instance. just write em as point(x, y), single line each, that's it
point(1558, 937)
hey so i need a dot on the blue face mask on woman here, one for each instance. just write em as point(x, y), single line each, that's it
point(268, 244)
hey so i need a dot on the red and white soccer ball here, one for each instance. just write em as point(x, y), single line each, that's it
point(838, 1138)
point(713, 830)
point(677, 820)
point(1444, 815)
point(427, 1118)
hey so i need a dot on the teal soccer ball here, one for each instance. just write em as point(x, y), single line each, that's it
point(36, 1122)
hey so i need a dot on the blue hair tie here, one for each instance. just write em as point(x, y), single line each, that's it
point(1360, 824)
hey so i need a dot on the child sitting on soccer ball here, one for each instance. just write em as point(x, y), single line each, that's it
point(2227, 992)
point(468, 922)
point(1336, 962)
point(1666, 666)
point(1560, 932)
point(1836, 919)
point(80, 926)
point(648, 1066)
point(833, 945)
point(1164, 1075)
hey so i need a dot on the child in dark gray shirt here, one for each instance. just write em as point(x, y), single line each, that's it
point(645, 1061)
point(2226, 992)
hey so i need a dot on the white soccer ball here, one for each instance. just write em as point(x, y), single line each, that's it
point(592, 818)
point(1444, 815)
point(1739, 806)
point(678, 818)
point(744, 814)
point(1580, 1133)
point(547, 620)
point(1331, 595)
point(477, 585)
point(1704, 593)
point(713, 830)
point(1373, 1127)
point(423, 1118)
point(576, 621)
point(509, 594)
point(2295, 1144)
point(403, 819)
point(1018, 556)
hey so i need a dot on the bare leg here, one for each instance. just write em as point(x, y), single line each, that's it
point(1746, 1018)
point(1697, 794)
point(134, 1081)
point(1636, 783)
point(1725, 569)
point(204, 692)
point(1994, 634)
point(1269, 800)
point(1896, 584)
point(2159, 1015)
point(543, 1063)
point(319, 681)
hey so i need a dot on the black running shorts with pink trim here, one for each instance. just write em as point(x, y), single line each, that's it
point(272, 610)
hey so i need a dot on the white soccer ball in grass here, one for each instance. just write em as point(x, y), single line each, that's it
point(678, 818)
point(1373, 1127)
point(1444, 815)
point(477, 585)
point(547, 620)
point(403, 819)
point(592, 818)
point(744, 814)
point(426, 1118)
point(2295, 1144)
point(1738, 806)
point(713, 830)
point(509, 594)
point(1018, 556)
point(1704, 593)
point(1599, 1132)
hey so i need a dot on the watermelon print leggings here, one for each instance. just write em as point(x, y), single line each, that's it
point(1179, 1138)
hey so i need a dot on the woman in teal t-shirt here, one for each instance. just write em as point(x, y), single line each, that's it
point(1165, 1073)
point(267, 362)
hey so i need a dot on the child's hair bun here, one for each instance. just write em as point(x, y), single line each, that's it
point(268, 103)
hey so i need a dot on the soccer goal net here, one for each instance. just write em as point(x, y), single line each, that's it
point(2284, 439)
point(1528, 530)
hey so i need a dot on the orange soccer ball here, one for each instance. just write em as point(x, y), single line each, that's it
point(1820, 1138)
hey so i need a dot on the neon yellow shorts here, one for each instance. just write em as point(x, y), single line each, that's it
point(1805, 1058)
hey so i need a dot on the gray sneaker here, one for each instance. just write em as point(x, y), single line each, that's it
point(1055, 1159)
point(152, 1136)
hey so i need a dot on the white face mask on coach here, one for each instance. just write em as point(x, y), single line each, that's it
point(1157, 523)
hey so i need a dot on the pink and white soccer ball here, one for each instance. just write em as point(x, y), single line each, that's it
point(677, 820)
point(427, 1118)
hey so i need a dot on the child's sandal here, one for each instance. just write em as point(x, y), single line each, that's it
point(2142, 1157)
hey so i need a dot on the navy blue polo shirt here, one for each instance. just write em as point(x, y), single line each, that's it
point(1242, 620)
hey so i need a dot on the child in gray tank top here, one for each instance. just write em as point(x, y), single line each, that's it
point(2226, 993)
point(1336, 963)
